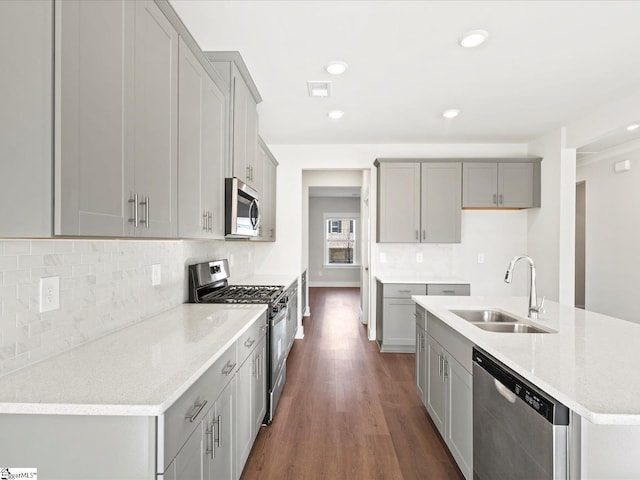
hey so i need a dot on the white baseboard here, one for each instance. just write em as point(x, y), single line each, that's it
point(307, 312)
point(334, 284)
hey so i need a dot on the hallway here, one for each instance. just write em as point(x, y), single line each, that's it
point(347, 411)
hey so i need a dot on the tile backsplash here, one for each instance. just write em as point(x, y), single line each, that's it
point(104, 285)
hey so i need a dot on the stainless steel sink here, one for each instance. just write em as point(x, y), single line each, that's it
point(496, 321)
point(485, 316)
point(510, 328)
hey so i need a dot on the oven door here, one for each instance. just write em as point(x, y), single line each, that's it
point(242, 209)
point(278, 344)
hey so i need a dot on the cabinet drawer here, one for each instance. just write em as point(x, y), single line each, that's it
point(183, 417)
point(403, 290)
point(248, 341)
point(458, 346)
point(446, 289)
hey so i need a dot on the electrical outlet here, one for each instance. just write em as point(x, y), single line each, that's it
point(419, 258)
point(481, 258)
point(156, 274)
point(49, 294)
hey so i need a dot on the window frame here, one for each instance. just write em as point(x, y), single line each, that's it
point(325, 241)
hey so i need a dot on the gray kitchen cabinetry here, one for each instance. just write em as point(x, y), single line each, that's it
point(419, 201)
point(202, 134)
point(501, 184)
point(116, 120)
point(395, 323)
point(449, 389)
point(421, 352)
point(244, 116)
point(26, 118)
point(268, 167)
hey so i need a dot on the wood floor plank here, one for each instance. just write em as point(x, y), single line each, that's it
point(347, 410)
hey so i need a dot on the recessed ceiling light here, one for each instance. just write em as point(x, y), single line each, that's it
point(474, 38)
point(336, 67)
point(631, 128)
point(335, 114)
point(451, 113)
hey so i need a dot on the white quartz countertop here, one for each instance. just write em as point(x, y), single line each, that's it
point(412, 277)
point(285, 280)
point(592, 363)
point(139, 370)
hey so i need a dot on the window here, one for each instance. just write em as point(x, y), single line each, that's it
point(340, 241)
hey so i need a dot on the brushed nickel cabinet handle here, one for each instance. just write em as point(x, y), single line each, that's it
point(417, 235)
point(198, 409)
point(424, 234)
point(228, 368)
point(209, 438)
point(145, 203)
point(204, 221)
point(219, 424)
point(495, 199)
point(210, 224)
point(500, 199)
point(249, 342)
point(134, 201)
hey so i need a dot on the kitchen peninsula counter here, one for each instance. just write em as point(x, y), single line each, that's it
point(590, 364)
point(139, 370)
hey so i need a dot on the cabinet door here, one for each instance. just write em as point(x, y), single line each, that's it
point(441, 203)
point(270, 173)
point(480, 184)
point(459, 431)
point(398, 323)
point(190, 463)
point(259, 393)
point(94, 127)
point(25, 118)
point(214, 125)
point(156, 127)
point(245, 132)
point(421, 363)
point(515, 185)
point(436, 404)
point(223, 464)
point(243, 415)
point(193, 219)
point(399, 202)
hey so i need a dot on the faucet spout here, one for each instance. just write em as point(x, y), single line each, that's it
point(534, 308)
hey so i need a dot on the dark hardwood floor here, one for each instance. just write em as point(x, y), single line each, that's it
point(347, 411)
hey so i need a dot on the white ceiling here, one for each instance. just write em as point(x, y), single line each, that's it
point(545, 64)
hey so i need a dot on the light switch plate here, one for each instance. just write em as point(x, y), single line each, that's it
point(481, 258)
point(156, 274)
point(49, 294)
point(419, 257)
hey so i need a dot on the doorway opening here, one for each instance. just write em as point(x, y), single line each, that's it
point(580, 248)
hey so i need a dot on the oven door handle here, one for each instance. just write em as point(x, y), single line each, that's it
point(279, 317)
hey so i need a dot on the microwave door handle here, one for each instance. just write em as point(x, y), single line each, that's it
point(254, 223)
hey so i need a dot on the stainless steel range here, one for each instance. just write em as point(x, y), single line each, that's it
point(208, 283)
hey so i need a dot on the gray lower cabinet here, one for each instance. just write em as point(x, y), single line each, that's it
point(202, 135)
point(395, 321)
point(26, 118)
point(116, 119)
point(448, 395)
point(501, 184)
point(419, 202)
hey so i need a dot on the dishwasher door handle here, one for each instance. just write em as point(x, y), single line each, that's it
point(504, 391)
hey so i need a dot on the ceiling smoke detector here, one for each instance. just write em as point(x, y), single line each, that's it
point(474, 38)
point(335, 114)
point(319, 89)
point(336, 67)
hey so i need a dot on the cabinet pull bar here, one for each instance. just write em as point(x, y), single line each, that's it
point(204, 220)
point(210, 218)
point(209, 436)
point(495, 199)
point(500, 199)
point(445, 367)
point(424, 234)
point(219, 423)
point(448, 291)
point(134, 201)
point(228, 368)
point(146, 212)
point(197, 411)
point(249, 342)
point(405, 291)
point(417, 235)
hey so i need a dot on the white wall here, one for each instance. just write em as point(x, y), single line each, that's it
point(286, 254)
point(551, 228)
point(105, 285)
point(318, 273)
point(612, 236)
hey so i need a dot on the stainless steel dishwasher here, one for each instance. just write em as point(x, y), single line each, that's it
point(518, 431)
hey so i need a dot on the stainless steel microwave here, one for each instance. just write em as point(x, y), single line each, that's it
point(242, 209)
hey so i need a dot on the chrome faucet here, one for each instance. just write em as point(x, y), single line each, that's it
point(534, 308)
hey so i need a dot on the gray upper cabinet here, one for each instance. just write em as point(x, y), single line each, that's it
point(419, 202)
point(268, 166)
point(25, 118)
point(201, 149)
point(116, 123)
point(243, 117)
point(501, 184)
point(94, 119)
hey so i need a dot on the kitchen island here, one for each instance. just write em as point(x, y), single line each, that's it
point(588, 361)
